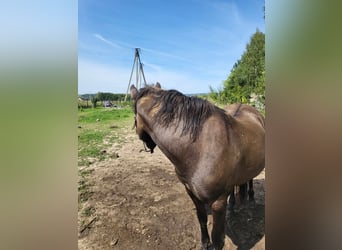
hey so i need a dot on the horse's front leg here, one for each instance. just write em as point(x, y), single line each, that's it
point(202, 218)
point(218, 209)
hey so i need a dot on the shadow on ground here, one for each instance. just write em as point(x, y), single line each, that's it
point(245, 226)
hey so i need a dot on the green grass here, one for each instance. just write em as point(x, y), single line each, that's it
point(103, 114)
point(99, 128)
point(88, 211)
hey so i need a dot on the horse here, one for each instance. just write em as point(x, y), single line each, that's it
point(234, 110)
point(212, 149)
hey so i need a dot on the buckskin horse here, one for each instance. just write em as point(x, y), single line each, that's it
point(212, 149)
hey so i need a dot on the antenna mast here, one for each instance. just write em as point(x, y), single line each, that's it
point(139, 72)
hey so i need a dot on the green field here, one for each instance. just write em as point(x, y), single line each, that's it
point(98, 129)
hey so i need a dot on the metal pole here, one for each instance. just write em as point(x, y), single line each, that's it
point(130, 79)
point(139, 72)
point(137, 68)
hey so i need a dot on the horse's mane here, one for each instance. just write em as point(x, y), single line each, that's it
point(176, 107)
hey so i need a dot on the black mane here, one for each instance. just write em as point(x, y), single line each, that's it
point(176, 107)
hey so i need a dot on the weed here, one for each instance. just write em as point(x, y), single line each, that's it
point(88, 211)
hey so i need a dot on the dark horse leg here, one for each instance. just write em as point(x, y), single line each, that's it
point(243, 192)
point(218, 209)
point(251, 193)
point(202, 218)
point(231, 201)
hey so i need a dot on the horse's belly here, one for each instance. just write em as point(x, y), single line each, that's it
point(248, 172)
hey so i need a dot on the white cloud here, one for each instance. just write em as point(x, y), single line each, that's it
point(165, 54)
point(229, 11)
point(153, 67)
point(100, 37)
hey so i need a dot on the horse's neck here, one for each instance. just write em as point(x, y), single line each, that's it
point(167, 136)
point(170, 140)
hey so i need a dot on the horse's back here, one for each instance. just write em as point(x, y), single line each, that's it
point(245, 113)
point(249, 135)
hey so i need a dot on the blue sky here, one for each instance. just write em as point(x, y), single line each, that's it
point(186, 45)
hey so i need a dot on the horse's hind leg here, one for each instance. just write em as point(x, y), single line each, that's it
point(231, 201)
point(218, 209)
point(242, 192)
point(251, 193)
point(203, 219)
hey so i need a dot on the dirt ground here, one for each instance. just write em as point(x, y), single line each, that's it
point(136, 202)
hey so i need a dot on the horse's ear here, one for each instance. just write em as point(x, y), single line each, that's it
point(134, 92)
point(158, 85)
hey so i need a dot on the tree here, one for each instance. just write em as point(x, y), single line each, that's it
point(94, 100)
point(247, 77)
point(107, 96)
